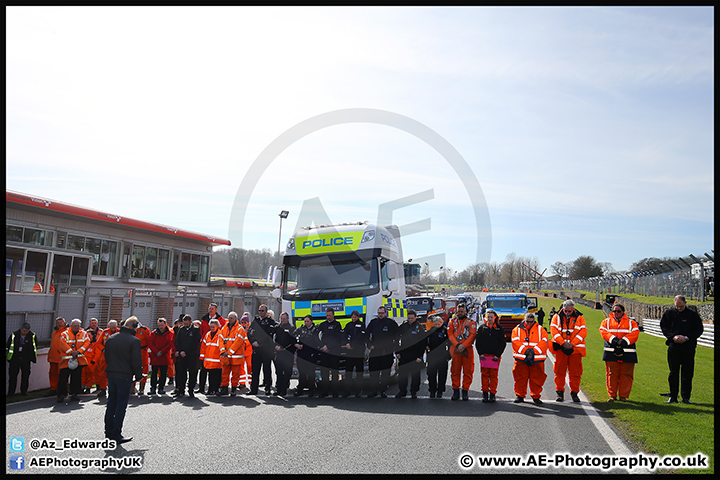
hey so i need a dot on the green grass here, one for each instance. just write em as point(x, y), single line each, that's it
point(646, 421)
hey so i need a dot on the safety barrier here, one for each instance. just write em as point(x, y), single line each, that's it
point(707, 339)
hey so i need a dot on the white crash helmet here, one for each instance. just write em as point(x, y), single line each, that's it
point(72, 363)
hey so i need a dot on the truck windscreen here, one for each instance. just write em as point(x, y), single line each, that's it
point(506, 304)
point(323, 279)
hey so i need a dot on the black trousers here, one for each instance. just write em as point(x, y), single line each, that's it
point(16, 366)
point(329, 373)
point(75, 377)
point(162, 369)
point(437, 375)
point(283, 370)
point(411, 371)
point(214, 379)
point(682, 369)
point(380, 372)
point(185, 372)
point(261, 360)
point(354, 383)
point(306, 369)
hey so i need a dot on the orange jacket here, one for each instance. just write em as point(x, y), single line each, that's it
point(99, 350)
point(461, 331)
point(55, 354)
point(572, 329)
point(69, 342)
point(143, 333)
point(523, 339)
point(232, 341)
point(626, 331)
point(210, 350)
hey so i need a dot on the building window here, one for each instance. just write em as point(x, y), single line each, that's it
point(70, 270)
point(138, 261)
point(31, 236)
point(194, 267)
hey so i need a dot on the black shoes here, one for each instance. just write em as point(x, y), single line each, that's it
point(492, 398)
point(560, 395)
point(518, 399)
point(465, 396)
point(574, 396)
point(456, 394)
point(687, 400)
point(672, 400)
point(486, 397)
point(122, 440)
point(537, 401)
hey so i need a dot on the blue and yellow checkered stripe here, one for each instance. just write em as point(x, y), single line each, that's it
point(302, 308)
point(395, 308)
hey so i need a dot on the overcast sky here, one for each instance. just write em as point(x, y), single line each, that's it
point(585, 131)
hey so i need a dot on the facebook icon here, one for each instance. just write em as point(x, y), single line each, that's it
point(17, 462)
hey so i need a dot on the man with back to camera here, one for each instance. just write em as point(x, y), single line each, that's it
point(682, 327)
point(124, 361)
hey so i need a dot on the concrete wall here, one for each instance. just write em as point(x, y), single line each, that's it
point(39, 372)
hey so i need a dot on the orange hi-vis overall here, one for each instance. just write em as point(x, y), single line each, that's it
point(462, 331)
point(100, 365)
point(54, 358)
point(232, 342)
point(70, 341)
point(574, 330)
point(523, 339)
point(619, 371)
point(88, 373)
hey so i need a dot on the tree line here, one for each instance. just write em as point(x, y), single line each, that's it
point(255, 263)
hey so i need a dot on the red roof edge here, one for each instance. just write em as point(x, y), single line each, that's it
point(43, 203)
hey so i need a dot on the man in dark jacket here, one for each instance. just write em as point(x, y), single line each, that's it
point(260, 337)
point(438, 346)
point(355, 343)
point(682, 327)
point(21, 350)
point(284, 338)
point(412, 342)
point(124, 361)
point(187, 351)
point(382, 332)
point(331, 342)
point(306, 345)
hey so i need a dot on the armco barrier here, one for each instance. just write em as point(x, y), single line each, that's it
point(707, 339)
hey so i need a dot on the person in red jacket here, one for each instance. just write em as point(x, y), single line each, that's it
point(461, 333)
point(620, 334)
point(530, 343)
point(568, 331)
point(160, 349)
